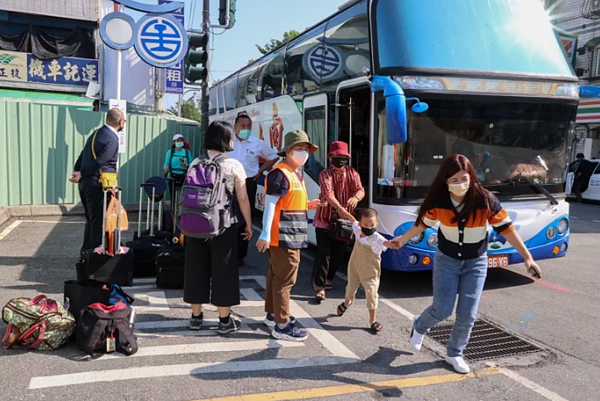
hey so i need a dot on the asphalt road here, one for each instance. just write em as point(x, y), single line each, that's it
point(340, 361)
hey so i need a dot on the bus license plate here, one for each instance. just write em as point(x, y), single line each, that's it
point(497, 261)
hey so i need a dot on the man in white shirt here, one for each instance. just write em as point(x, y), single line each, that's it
point(248, 150)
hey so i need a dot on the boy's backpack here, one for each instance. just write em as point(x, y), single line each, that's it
point(103, 329)
point(206, 207)
point(38, 323)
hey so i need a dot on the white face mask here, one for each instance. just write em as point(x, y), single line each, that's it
point(299, 157)
point(459, 189)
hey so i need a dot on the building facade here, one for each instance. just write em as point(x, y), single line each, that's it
point(577, 24)
point(49, 46)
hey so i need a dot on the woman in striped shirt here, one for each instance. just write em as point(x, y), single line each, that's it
point(463, 208)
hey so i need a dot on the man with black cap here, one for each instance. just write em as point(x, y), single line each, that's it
point(285, 233)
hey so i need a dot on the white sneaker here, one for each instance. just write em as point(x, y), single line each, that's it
point(458, 363)
point(416, 338)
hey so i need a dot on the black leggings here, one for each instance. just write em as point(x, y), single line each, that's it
point(214, 260)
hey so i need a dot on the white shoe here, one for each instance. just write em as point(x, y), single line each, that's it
point(416, 338)
point(458, 363)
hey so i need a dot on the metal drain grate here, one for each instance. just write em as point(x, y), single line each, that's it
point(487, 342)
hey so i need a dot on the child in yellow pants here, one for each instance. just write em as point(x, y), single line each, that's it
point(365, 263)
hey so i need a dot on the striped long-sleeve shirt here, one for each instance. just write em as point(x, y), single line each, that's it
point(467, 238)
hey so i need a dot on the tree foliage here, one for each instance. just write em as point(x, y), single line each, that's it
point(275, 43)
point(189, 110)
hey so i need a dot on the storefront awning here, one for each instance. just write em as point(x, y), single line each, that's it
point(37, 97)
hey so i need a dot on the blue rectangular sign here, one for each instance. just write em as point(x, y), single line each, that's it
point(174, 75)
point(62, 71)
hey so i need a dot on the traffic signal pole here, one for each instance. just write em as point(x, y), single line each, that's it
point(205, 30)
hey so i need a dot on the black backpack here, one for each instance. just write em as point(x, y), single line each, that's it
point(100, 324)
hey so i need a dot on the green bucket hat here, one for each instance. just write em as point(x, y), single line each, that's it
point(295, 137)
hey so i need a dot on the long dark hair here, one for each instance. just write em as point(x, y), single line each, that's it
point(477, 197)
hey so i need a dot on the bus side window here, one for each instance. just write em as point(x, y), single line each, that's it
point(316, 127)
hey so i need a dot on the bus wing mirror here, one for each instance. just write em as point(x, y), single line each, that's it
point(589, 91)
point(395, 107)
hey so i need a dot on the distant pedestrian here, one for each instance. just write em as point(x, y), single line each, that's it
point(341, 190)
point(583, 171)
point(463, 208)
point(248, 149)
point(285, 233)
point(99, 155)
point(364, 267)
point(211, 270)
point(178, 160)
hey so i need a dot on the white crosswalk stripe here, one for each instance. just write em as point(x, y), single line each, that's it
point(164, 308)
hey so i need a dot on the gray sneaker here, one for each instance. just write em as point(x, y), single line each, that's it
point(229, 327)
point(196, 322)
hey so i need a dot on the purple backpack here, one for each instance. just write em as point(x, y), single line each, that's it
point(205, 205)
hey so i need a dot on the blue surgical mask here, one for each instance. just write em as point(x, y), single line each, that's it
point(245, 134)
point(179, 144)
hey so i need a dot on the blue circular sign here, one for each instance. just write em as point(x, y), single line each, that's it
point(323, 63)
point(161, 40)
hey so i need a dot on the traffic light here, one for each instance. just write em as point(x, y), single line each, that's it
point(197, 54)
point(223, 9)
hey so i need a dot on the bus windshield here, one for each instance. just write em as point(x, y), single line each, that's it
point(511, 142)
point(504, 36)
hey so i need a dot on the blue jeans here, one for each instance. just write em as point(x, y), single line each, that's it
point(451, 277)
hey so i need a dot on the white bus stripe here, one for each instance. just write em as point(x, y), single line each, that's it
point(146, 372)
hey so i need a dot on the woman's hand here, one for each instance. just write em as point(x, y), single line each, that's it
point(352, 202)
point(533, 269)
point(167, 169)
point(247, 234)
point(396, 243)
point(262, 245)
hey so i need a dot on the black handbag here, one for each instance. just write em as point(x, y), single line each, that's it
point(78, 294)
point(340, 229)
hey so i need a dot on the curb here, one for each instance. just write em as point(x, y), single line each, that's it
point(8, 212)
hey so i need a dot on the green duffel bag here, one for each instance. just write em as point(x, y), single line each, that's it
point(38, 323)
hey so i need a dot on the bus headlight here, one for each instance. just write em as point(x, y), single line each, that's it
point(416, 239)
point(551, 232)
point(413, 259)
point(563, 226)
point(432, 241)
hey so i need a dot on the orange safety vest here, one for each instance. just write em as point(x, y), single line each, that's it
point(290, 223)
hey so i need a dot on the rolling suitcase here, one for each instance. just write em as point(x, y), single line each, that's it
point(170, 266)
point(113, 269)
point(152, 231)
point(170, 262)
point(145, 246)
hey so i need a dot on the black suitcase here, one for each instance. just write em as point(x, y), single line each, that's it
point(116, 269)
point(170, 266)
point(146, 245)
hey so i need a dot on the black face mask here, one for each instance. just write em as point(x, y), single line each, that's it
point(339, 162)
point(368, 231)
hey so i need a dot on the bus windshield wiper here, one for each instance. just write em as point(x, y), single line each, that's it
point(533, 184)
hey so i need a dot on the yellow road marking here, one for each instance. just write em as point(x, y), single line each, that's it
point(331, 391)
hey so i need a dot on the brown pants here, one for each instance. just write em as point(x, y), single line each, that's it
point(283, 271)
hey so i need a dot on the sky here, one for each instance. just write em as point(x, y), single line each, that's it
point(257, 22)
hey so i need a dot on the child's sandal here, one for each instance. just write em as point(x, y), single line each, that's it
point(341, 309)
point(376, 327)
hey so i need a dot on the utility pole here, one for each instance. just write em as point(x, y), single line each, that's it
point(205, 29)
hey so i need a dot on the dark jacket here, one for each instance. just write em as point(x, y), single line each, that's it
point(106, 147)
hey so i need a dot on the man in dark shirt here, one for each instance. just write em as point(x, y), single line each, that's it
point(583, 173)
point(87, 173)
